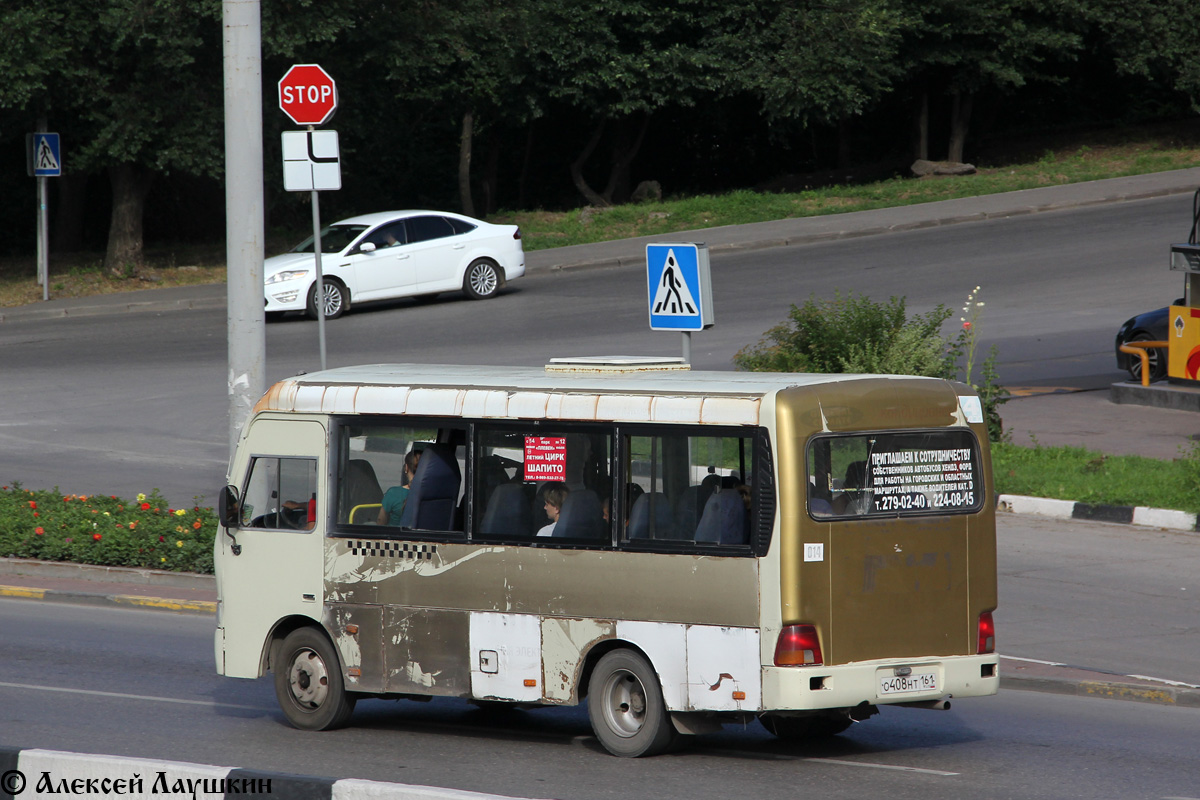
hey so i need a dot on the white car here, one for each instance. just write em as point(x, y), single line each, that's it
point(394, 254)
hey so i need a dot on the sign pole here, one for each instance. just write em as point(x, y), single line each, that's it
point(687, 347)
point(316, 216)
point(43, 238)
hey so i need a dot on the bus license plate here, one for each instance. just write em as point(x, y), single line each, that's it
point(902, 684)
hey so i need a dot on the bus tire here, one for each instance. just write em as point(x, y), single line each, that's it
point(309, 684)
point(810, 727)
point(626, 708)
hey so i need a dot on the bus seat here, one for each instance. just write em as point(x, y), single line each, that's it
point(581, 516)
point(639, 518)
point(507, 512)
point(690, 506)
point(433, 494)
point(724, 520)
point(362, 487)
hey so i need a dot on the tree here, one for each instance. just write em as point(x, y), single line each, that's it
point(618, 62)
point(1151, 39)
point(964, 48)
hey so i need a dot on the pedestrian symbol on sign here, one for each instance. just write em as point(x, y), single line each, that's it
point(45, 158)
point(673, 297)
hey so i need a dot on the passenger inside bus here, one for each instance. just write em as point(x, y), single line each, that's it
point(554, 495)
point(852, 499)
point(394, 498)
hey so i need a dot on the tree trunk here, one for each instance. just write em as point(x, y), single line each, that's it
point(69, 209)
point(921, 125)
point(624, 153)
point(464, 163)
point(130, 185)
point(523, 183)
point(960, 119)
point(491, 181)
point(577, 178)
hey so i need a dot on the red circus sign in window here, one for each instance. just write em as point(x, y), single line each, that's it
point(545, 458)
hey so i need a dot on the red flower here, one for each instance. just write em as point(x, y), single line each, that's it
point(36, 514)
point(32, 504)
point(145, 506)
point(966, 326)
point(161, 539)
point(196, 524)
point(38, 531)
point(95, 537)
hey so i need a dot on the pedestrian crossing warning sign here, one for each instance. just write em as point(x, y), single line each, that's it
point(678, 287)
point(44, 157)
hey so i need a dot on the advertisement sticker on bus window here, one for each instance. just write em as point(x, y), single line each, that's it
point(545, 458)
point(894, 474)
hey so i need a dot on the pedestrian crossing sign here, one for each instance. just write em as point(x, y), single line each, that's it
point(679, 287)
point(44, 156)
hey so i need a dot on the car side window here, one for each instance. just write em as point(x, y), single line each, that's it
point(462, 226)
point(422, 229)
point(389, 235)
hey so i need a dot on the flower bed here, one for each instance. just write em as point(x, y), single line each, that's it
point(106, 530)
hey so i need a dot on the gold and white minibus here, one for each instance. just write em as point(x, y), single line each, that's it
point(679, 549)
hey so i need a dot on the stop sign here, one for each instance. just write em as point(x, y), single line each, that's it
point(307, 94)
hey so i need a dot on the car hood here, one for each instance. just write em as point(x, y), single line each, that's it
point(287, 261)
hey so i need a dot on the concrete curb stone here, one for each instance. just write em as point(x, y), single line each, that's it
point(22, 770)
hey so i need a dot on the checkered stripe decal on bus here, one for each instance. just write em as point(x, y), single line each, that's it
point(388, 549)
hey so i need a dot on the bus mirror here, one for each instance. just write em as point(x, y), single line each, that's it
point(227, 507)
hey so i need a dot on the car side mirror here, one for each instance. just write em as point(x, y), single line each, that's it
point(229, 512)
point(366, 247)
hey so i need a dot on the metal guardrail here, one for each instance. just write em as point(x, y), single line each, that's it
point(1141, 350)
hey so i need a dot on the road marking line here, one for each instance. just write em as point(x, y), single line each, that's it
point(21, 591)
point(870, 765)
point(123, 696)
point(1035, 661)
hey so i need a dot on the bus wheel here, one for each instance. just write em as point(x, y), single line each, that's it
point(308, 682)
point(625, 706)
point(812, 727)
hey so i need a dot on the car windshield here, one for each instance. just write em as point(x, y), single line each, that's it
point(334, 239)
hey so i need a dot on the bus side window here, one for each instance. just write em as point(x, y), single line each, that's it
point(280, 494)
point(515, 469)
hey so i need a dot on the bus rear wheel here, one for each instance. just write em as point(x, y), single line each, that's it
point(626, 708)
point(309, 684)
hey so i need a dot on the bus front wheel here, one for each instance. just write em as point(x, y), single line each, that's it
point(308, 682)
point(626, 708)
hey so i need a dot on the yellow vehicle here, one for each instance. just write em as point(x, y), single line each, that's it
point(678, 549)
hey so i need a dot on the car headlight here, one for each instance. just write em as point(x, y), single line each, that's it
point(286, 275)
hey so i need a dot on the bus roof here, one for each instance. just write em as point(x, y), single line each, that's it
point(672, 395)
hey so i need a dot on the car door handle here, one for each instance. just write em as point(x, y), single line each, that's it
point(459, 246)
point(401, 256)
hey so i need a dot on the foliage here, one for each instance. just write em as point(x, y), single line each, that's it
point(1088, 476)
point(854, 334)
point(105, 530)
point(851, 334)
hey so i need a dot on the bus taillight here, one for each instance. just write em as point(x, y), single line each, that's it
point(798, 646)
point(987, 633)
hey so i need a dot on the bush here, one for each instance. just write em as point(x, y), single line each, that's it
point(854, 334)
point(105, 530)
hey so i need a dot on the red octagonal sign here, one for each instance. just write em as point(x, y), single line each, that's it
point(307, 94)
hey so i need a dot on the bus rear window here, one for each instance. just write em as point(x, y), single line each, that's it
point(894, 474)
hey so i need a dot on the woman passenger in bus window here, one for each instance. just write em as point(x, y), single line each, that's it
point(555, 495)
point(395, 497)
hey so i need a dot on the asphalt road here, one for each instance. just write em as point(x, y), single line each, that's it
point(141, 684)
point(124, 403)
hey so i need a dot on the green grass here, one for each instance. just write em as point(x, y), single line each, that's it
point(1088, 476)
point(1071, 164)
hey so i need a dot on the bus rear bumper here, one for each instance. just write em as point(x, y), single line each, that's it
point(880, 682)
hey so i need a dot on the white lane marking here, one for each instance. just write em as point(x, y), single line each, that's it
point(1167, 682)
point(869, 765)
point(122, 696)
point(1035, 661)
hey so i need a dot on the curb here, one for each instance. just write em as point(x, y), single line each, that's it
point(94, 599)
point(1128, 515)
point(1056, 678)
point(59, 772)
